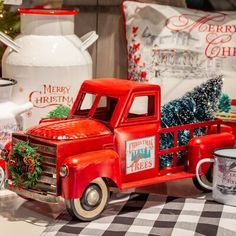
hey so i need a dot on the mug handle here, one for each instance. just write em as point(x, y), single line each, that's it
point(197, 172)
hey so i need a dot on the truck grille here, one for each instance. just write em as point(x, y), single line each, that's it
point(46, 187)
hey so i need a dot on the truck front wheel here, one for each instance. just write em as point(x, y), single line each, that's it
point(93, 201)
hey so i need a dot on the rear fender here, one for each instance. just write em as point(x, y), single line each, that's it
point(222, 129)
point(203, 147)
point(86, 167)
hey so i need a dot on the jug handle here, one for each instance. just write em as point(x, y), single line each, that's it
point(5, 39)
point(88, 39)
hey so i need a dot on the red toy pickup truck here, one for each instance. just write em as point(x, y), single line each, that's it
point(106, 142)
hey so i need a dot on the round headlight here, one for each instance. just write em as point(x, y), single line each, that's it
point(64, 171)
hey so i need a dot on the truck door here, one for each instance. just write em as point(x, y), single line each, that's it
point(136, 139)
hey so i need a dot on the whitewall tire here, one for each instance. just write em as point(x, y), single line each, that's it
point(92, 203)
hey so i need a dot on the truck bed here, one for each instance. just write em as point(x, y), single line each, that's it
point(212, 126)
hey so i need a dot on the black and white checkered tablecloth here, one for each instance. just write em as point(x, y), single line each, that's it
point(151, 214)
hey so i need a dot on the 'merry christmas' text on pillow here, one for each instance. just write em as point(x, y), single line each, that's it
point(180, 48)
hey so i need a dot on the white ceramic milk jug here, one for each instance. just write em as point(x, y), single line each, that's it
point(10, 113)
point(48, 60)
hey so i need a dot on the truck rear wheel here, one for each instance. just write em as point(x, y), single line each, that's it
point(208, 179)
point(2, 177)
point(92, 203)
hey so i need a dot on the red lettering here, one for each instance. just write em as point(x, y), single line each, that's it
point(141, 166)
point(148, 164)
point(219, 28)
point(226, 51)
point(228, 28)
point(193, 21)
point(215, 43)
point(211, 28)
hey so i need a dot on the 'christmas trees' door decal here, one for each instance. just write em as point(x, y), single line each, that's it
point(140, 154)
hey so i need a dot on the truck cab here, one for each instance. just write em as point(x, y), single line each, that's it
point(111, 139)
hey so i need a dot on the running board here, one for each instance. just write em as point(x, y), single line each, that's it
point(157, 180)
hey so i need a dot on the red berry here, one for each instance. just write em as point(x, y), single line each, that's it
point(143, 74)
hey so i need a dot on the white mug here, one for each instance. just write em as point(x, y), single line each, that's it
point(224, 175)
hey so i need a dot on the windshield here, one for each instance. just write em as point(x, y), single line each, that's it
point(96, 106)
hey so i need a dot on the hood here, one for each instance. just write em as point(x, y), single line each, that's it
point(69, 129)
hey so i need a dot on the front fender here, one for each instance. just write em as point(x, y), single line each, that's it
point(86, 167)
point(203, 147)
point(3, 164)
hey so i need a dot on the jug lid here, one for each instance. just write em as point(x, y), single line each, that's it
point(7, 82)
point(35, 11)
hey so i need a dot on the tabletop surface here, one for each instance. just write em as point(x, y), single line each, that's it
point(153, 214)
point(175, 208)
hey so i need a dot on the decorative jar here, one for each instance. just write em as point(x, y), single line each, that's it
point(48, 61)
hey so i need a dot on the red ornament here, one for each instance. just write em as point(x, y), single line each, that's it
point(135, 30)
point(31, 169)
point(24, 168)
point(19, 187)
point(136, 46)
point(22, 150)
point(136, 60)
point(143, 74)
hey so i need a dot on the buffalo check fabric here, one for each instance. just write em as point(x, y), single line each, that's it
point(151, 214)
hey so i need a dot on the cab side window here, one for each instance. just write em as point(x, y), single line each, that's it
point(142, 106)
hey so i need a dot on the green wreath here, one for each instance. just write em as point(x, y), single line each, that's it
point(24, 165)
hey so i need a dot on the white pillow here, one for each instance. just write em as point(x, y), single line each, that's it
point(179, 48)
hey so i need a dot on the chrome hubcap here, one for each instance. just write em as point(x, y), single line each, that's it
point(92, 197)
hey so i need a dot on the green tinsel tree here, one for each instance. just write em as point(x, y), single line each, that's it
point(61, 111)
point(225, 103)
point(195, 106)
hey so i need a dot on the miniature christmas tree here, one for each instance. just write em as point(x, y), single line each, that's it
point(60, 112)
point(9, 23)
point(225, 103)
point(195, 106)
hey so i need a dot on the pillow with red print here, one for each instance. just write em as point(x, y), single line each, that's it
point(179, 48)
